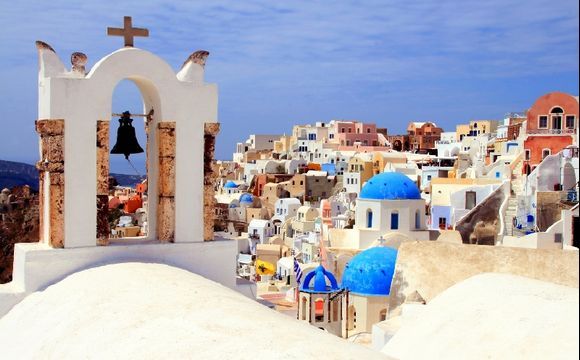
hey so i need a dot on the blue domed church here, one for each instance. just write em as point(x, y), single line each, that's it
point(367, 282)
point(390, 203)
point(358, 303)
point(319, 301)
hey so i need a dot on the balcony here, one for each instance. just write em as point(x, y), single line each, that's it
point(551, 131)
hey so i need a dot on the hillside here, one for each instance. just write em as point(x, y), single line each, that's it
point(17, 174)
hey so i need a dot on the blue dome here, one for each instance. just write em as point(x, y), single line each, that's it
point(390, 186)
point(319, 275)
point(246, 198)
point(370, 273)
point(230, 184)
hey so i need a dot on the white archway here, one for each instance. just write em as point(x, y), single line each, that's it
point(181, 98)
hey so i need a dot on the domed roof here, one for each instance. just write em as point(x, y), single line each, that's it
point(319, 275)
point(390, 186)
point(230, 184)
point(246, 198)
point(370, 272)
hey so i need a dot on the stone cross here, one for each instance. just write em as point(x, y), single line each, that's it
point(128, 31)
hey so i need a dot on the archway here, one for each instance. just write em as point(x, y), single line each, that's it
point(397, 145)
point(128, 193)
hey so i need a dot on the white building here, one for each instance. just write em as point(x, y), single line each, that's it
point(448, 145)
point(259, 231)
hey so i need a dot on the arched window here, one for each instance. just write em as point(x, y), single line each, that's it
point(395, 220)
point(383, 315)
point(557, 110)
point(369, 218)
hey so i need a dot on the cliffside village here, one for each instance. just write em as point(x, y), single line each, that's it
point(385, 240)
point(330, 191)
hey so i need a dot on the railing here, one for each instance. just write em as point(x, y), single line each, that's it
point(551, 131)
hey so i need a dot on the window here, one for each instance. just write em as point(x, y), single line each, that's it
point(570, 120)
point(442, 223)
point(417, 220)
point(369, 218)
point(428, 177)
point(543, 122)
point(383, 315)
point(349, 130)
point(470, 200)
point(545, 153)
point(556, 122)
point(342, 130)
point(557, 110)
point(395, 220)
point(368, 130)
point(528, 154)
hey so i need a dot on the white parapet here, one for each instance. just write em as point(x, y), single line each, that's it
point(37, 266)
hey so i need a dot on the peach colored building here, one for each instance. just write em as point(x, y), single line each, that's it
point(422, 135)
point(552, 123)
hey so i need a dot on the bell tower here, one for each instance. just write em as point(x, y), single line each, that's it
point(74, 112)
point(74, 115)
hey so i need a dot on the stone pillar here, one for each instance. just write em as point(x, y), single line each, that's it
point(51, 168)
point(209, 176)
point(166, 205)
point(103, 230)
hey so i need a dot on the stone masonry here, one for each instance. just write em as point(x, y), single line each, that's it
point(209, 176)
point(51, 169)
point(102, 182)
point(166, 207)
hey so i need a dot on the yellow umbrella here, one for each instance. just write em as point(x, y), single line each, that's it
point(265, 268)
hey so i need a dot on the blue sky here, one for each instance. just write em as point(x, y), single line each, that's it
point(284, 63)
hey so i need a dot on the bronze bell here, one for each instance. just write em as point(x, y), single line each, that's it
point(126, 140)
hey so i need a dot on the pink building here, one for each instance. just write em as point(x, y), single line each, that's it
point(347, 133)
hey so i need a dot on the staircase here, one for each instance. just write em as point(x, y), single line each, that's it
point(517, 188)
point(510, 214)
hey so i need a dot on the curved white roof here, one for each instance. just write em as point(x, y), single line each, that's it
point(153, 311)
point(493, 316)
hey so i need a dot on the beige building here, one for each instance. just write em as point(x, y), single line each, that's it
point(475, 128)
point(310, 186)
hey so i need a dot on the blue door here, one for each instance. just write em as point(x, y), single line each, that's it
point(394, 221)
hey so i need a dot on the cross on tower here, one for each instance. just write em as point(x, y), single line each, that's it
point(128, 31)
